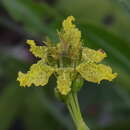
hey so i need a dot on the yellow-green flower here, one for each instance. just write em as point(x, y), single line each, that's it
point(66, 60)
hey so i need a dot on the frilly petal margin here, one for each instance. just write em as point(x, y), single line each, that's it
point(95, 72)
point(38, 51)
point(38, 75)
point(71, 34)
point(93, 55)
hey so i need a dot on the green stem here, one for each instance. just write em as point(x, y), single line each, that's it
point(74, 109)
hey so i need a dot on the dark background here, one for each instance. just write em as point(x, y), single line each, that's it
point(104, 24)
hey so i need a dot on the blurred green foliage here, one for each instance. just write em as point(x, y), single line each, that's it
point(104, 24)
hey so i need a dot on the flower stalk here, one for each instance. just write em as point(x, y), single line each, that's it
point(74, 109)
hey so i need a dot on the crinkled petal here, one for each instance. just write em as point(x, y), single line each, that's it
point(38, 51)
point(93, 55)
point(38, 75)
point(95, 72)
point(64, 81)
point(67, 23)
point(70, 37)
point(71, 33)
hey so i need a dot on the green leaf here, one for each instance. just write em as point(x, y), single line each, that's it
point(11, 101)
point(28, 13)
point(41, 110)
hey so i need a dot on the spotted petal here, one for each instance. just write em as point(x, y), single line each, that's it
point(70, 37)
point(71, 33)
point(95, 72)
point(38, 51)
point(38, 75)
point(93, 55)
point(64, 81)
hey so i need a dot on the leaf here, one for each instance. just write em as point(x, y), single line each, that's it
point(11, 101)
point(41, 101)
point(28, 13)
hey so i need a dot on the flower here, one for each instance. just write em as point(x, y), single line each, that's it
point(67, 60)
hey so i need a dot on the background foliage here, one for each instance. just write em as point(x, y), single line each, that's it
point(104, 24)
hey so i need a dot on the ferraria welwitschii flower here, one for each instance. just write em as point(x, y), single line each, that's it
point(67, 60)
